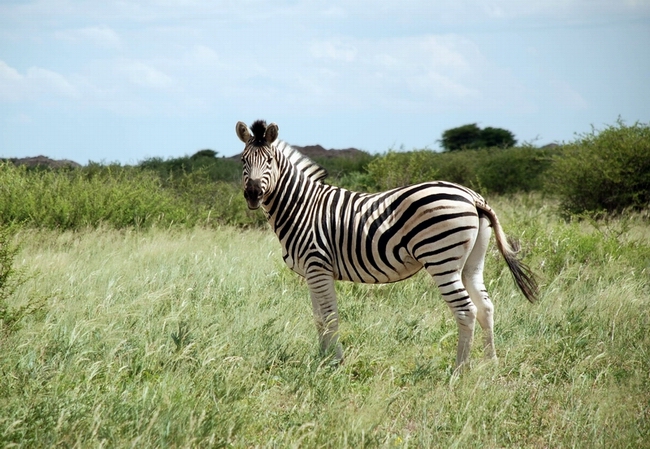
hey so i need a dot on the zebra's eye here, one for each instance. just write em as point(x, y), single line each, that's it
point(269, 159)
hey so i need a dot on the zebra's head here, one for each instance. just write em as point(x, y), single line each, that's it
point(258, 158)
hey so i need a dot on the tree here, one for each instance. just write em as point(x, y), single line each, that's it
point(472, 137)
point(497, 137)
point(204, 153)
point(460, 138)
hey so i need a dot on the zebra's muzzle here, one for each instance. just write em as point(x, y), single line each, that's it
point(253, 193)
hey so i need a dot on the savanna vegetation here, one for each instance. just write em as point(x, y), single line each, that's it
point(472, 137)
point(146, 306)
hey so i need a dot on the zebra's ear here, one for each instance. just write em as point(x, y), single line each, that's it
point(242, 132)
point(271, 133)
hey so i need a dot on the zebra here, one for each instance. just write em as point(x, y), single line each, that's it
point(329, 233)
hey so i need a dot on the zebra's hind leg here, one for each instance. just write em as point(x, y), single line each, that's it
point(326, 315)
point(473, 280)
point(457, 298)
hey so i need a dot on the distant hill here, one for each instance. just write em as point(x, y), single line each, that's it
point(42, 161)
point(318, 152)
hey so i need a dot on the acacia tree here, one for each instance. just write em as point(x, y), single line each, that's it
point(204, 153)
point(472, 137)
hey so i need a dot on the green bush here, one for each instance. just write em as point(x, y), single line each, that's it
point(338, 168)
point(604, 171)
point(459, 167)
point(75, 199)
point(493, 170)
point(358, 181)
point(205, 161)
point(118, 197)
point(213, 203)
point(518, 169)
point(399, 169)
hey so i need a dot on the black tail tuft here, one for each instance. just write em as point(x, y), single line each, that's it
point(524, 277)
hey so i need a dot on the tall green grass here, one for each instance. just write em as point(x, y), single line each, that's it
point(118, 197)
point(76, 199)
point(203, 338)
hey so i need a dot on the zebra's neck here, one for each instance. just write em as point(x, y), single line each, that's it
point(294, 195)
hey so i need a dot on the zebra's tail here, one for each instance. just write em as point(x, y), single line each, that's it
point(523, 275)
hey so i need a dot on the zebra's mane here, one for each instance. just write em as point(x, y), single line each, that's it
point(310, 168)
point(259, 128)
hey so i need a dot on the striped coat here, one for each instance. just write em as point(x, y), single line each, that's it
point(329, 233)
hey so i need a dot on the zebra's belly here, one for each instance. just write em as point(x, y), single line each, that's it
point(381, 274)
point(401, 272)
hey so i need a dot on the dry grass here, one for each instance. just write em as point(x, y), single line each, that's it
point(202, 338)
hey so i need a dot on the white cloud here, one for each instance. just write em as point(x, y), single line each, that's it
point(47, 81)
point(9, 73)
point(407, 74)
point(203, 56)
point(334, 50)
point(469, 12)
point(583, 10)
point(404, 73)
point(36, 82)
point(101, 36)
point(144, 75)
point(310, 54)
point(432, 83)
point(333, 12)
point(448, 52)
point(440, 11)
point(11, 82)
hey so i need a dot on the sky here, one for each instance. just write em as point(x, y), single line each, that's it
point(123, 81)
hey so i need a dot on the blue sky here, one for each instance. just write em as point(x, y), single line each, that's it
point(120, 81)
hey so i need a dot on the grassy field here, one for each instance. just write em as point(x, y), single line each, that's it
point(203, 338)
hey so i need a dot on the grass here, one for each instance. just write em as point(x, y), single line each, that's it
point(118, 197)
point(202, 338)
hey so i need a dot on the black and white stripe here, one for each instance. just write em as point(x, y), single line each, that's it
point(328, 233)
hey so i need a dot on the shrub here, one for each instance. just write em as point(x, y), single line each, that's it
point(399, 169)
point(459, 167)
point(492, 170)
point(74, 199)
point(358, 181)
point(512, 170)
point(119, 197)
point(205, 161)
point(211, 202)
point(606, 170)
point(340, 167)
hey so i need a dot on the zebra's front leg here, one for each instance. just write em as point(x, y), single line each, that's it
point(326, 315)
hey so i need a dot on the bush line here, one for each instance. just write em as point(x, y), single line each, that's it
point(602, 172)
